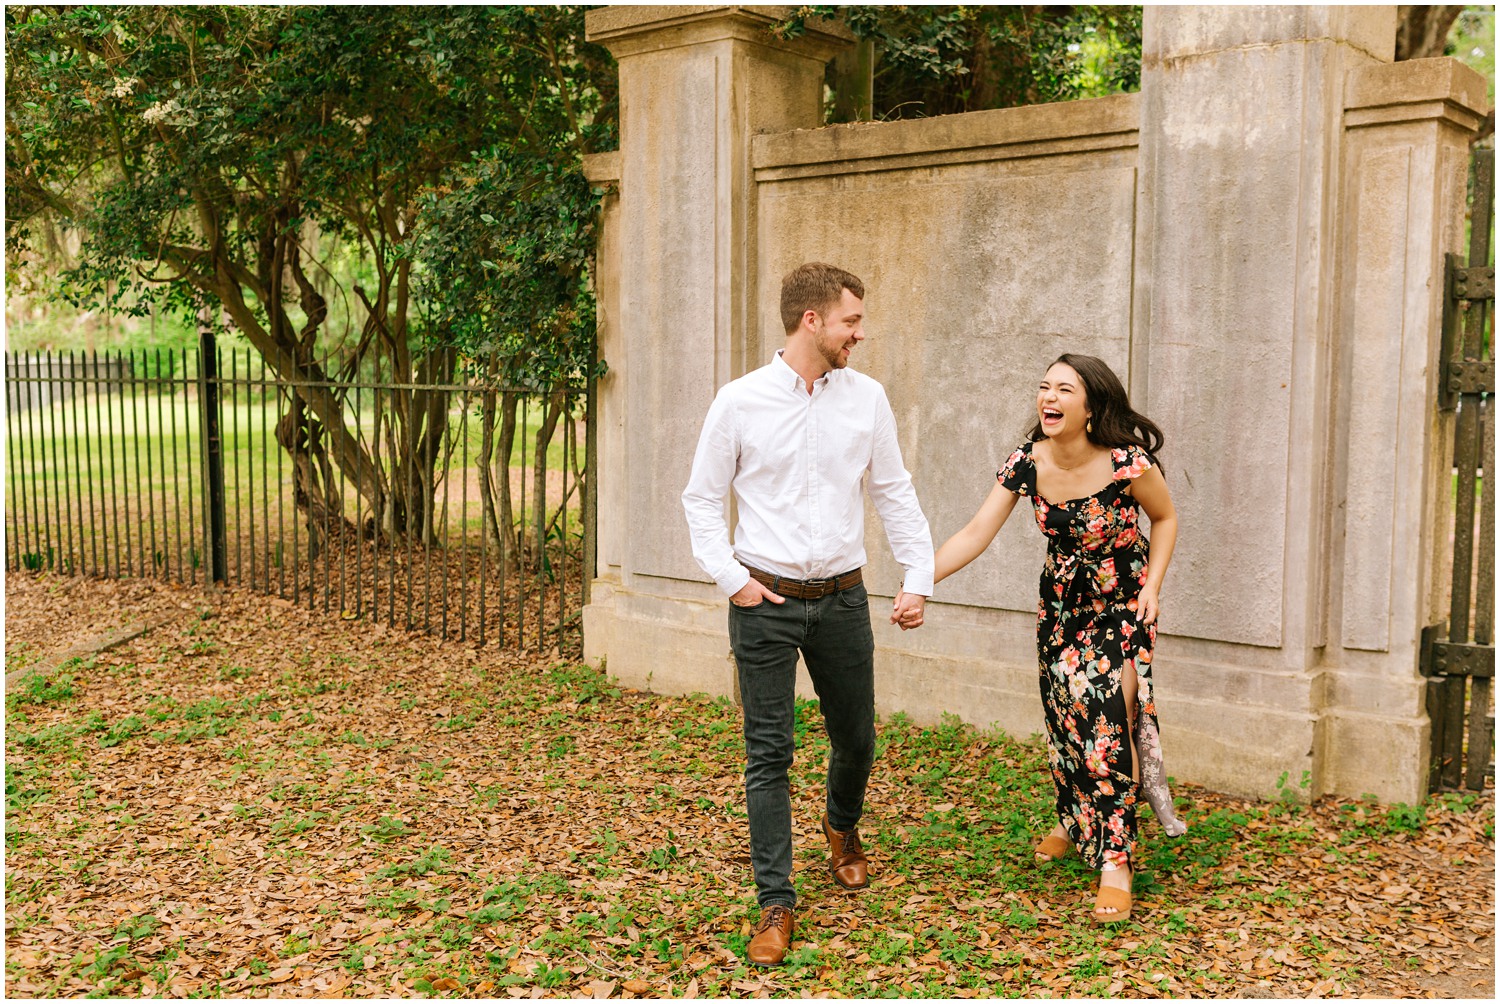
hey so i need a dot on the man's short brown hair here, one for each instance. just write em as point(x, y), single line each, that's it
point(814, 286)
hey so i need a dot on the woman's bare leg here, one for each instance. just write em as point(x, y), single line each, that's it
point(1130, 690)
point(1119, 878)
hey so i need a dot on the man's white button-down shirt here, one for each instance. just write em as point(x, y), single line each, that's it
point(796, 463)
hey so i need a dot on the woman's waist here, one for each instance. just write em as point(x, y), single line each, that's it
point(1068, 555)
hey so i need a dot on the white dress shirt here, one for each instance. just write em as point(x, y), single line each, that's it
point(796, 463)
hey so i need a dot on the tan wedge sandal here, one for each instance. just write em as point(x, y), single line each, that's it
point(1051, 848)
point(1111, 898)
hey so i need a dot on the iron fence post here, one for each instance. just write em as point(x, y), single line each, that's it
point(591, 474)
point(217, 548)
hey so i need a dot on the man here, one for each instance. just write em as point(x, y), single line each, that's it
point(795, 441)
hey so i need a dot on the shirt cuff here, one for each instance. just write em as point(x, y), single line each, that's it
point(917, 582)
point(734, 581)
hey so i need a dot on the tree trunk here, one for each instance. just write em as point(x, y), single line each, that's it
point(552, 411)
point(301, 436)
point(499, 410)
point(854, 82)
point(1422, 30)
point(510, 533)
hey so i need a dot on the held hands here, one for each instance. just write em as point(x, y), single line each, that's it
point(753, 594)
point(908, 610)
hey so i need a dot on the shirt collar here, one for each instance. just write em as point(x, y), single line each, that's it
point(785, 374)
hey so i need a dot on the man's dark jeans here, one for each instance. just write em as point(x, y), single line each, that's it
point(838, 646)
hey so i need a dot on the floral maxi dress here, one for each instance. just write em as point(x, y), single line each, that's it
point(1087, 634)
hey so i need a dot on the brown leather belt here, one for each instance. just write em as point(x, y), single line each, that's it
point(807, 589)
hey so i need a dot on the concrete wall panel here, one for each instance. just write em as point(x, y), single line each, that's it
point(1224, 200)
point(1378, 338)
point(668, 303)
point(976, 279)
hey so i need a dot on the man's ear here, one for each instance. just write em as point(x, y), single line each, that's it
point(809, 316)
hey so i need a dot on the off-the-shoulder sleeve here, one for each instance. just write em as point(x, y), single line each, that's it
point(1130, 462)
point(1019, 473)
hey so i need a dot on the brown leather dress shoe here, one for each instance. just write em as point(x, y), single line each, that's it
point(769, 938)
point(846, 858)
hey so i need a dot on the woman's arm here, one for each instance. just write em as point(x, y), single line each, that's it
point(1150, 490)
point(970, 542)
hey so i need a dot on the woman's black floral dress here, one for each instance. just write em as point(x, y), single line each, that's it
point(1087, 634)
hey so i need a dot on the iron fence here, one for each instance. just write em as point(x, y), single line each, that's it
point(1458, 654)
point(457, 508)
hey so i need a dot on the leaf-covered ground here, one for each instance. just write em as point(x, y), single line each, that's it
point(253, 800)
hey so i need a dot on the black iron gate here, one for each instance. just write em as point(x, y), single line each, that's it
point(1458, 656)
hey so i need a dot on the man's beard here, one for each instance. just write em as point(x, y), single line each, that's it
point(834, 355)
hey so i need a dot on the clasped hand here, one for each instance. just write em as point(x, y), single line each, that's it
point(908, 610)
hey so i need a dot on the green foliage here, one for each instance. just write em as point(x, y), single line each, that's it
point(209, 154)
point(1401, 817)
point(41, 688)
point(507, 258)
point(941, 59)
point(507, 239)
point(414, 172)
point(1472, 41)
point(121, 731)
point(434, 859)
point(386, 829)
point(23, 786)
point(137, 928)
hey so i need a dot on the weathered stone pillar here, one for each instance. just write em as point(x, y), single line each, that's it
point(696, 83)
point(1405, 165)
point(1237, 287)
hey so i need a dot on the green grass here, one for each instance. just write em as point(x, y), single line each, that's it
point(118, 480)
point(156, 442)
point(42, 688)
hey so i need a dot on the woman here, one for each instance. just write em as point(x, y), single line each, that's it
point(1096, 623)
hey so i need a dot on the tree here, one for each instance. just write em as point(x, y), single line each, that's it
point(208, 155)
point(1422, 30)
point(507, 250)
point(937, 60)
point(940, 59)
point(507, 273)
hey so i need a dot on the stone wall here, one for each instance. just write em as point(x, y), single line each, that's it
point(1251, 241)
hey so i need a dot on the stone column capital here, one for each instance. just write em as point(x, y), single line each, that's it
point(628, 30)
point(1172, 33)
point(1439, 88)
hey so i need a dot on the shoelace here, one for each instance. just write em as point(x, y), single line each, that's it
point(852, 844)
point(771, 917)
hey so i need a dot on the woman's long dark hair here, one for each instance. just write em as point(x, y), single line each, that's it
point(1116, 424)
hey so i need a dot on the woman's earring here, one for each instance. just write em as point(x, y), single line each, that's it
point(1089, 425)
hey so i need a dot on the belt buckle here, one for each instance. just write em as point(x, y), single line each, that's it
point(820, 586)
